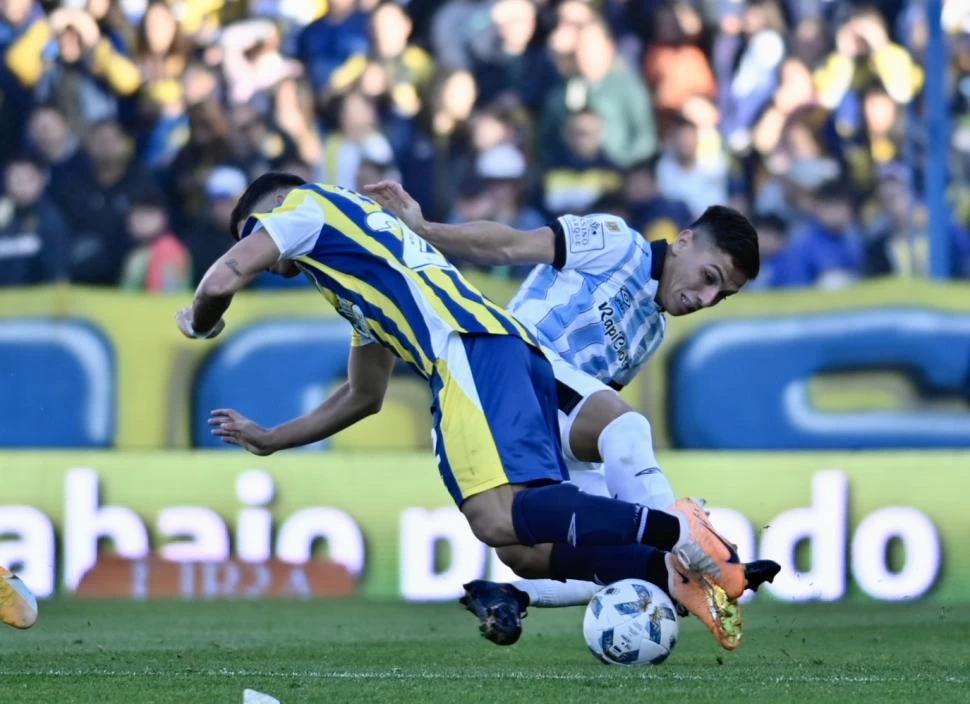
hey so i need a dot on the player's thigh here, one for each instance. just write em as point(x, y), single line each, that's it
point(495, 416)
point(586, 407)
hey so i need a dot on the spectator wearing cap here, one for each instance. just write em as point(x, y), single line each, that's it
point(606, 85)
point(97, 212)
point(207, 237)
point(376, 163)
point(652, 214)
point(496, 191)
point(33, 234)
point(158, 261)
point(66, 60)
point(898, 241)
point(828, 251)
point(582, 173)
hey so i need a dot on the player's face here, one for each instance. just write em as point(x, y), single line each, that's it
point(697, 275)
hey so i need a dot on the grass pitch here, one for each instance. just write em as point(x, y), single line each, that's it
point(358, 651)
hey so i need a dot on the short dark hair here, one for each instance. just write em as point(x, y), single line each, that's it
point(267, 183)
point(733, 233)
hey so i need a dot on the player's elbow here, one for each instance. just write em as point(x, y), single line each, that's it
point(217, 287)
point(369, 402)
point(373, 406)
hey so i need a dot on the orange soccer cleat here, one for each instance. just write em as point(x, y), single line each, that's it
point(705, 552)
point(708, 602)
point(18, 607)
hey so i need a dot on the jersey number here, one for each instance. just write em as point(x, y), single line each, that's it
point(418, 254)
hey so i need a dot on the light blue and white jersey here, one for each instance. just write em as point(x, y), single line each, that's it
point(595, 305)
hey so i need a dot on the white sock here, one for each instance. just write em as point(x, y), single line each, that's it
point(632, 471)
point(552, 593)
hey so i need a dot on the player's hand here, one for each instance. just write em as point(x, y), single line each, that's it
point(392, 196)
point(236, 429)
point(184, 321)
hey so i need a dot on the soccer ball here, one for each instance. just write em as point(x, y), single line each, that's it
point(631, 623)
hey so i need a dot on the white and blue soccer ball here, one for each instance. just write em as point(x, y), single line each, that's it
point(631, 623)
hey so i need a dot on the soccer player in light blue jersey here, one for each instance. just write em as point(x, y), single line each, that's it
point(597, 302)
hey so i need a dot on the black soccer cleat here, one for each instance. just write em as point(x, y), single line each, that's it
point(500, 609)
point(759, 572)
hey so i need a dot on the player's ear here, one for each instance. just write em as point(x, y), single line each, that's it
point(683, 241)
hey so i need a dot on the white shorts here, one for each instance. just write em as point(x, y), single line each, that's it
point(579, 386)
point(589, 477)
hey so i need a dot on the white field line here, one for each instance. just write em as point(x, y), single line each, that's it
point(652, 675)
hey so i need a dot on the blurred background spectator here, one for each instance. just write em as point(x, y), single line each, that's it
point(131, 126)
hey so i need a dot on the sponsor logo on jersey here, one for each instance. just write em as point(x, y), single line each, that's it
point(609, 315)
point(584, 235)
point(353, 313)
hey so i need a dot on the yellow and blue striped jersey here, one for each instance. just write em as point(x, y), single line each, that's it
point(392, 285)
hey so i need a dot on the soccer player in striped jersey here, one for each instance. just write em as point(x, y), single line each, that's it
point(597, 302)
point(495, 397)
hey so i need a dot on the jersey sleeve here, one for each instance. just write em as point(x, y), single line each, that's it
point(594, 244)
point(359, 339)
point(294, 226)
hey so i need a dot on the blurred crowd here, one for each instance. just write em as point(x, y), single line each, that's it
point(130, 126)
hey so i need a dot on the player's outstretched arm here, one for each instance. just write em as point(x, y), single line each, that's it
point(480, 242)
point(361, 395)
point(234, 270)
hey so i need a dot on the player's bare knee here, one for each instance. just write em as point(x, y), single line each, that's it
point(598, 411)
point(527, 562)
point(489, 515)
point(492, 530)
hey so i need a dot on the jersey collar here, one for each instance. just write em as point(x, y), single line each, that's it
point(658, 254)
